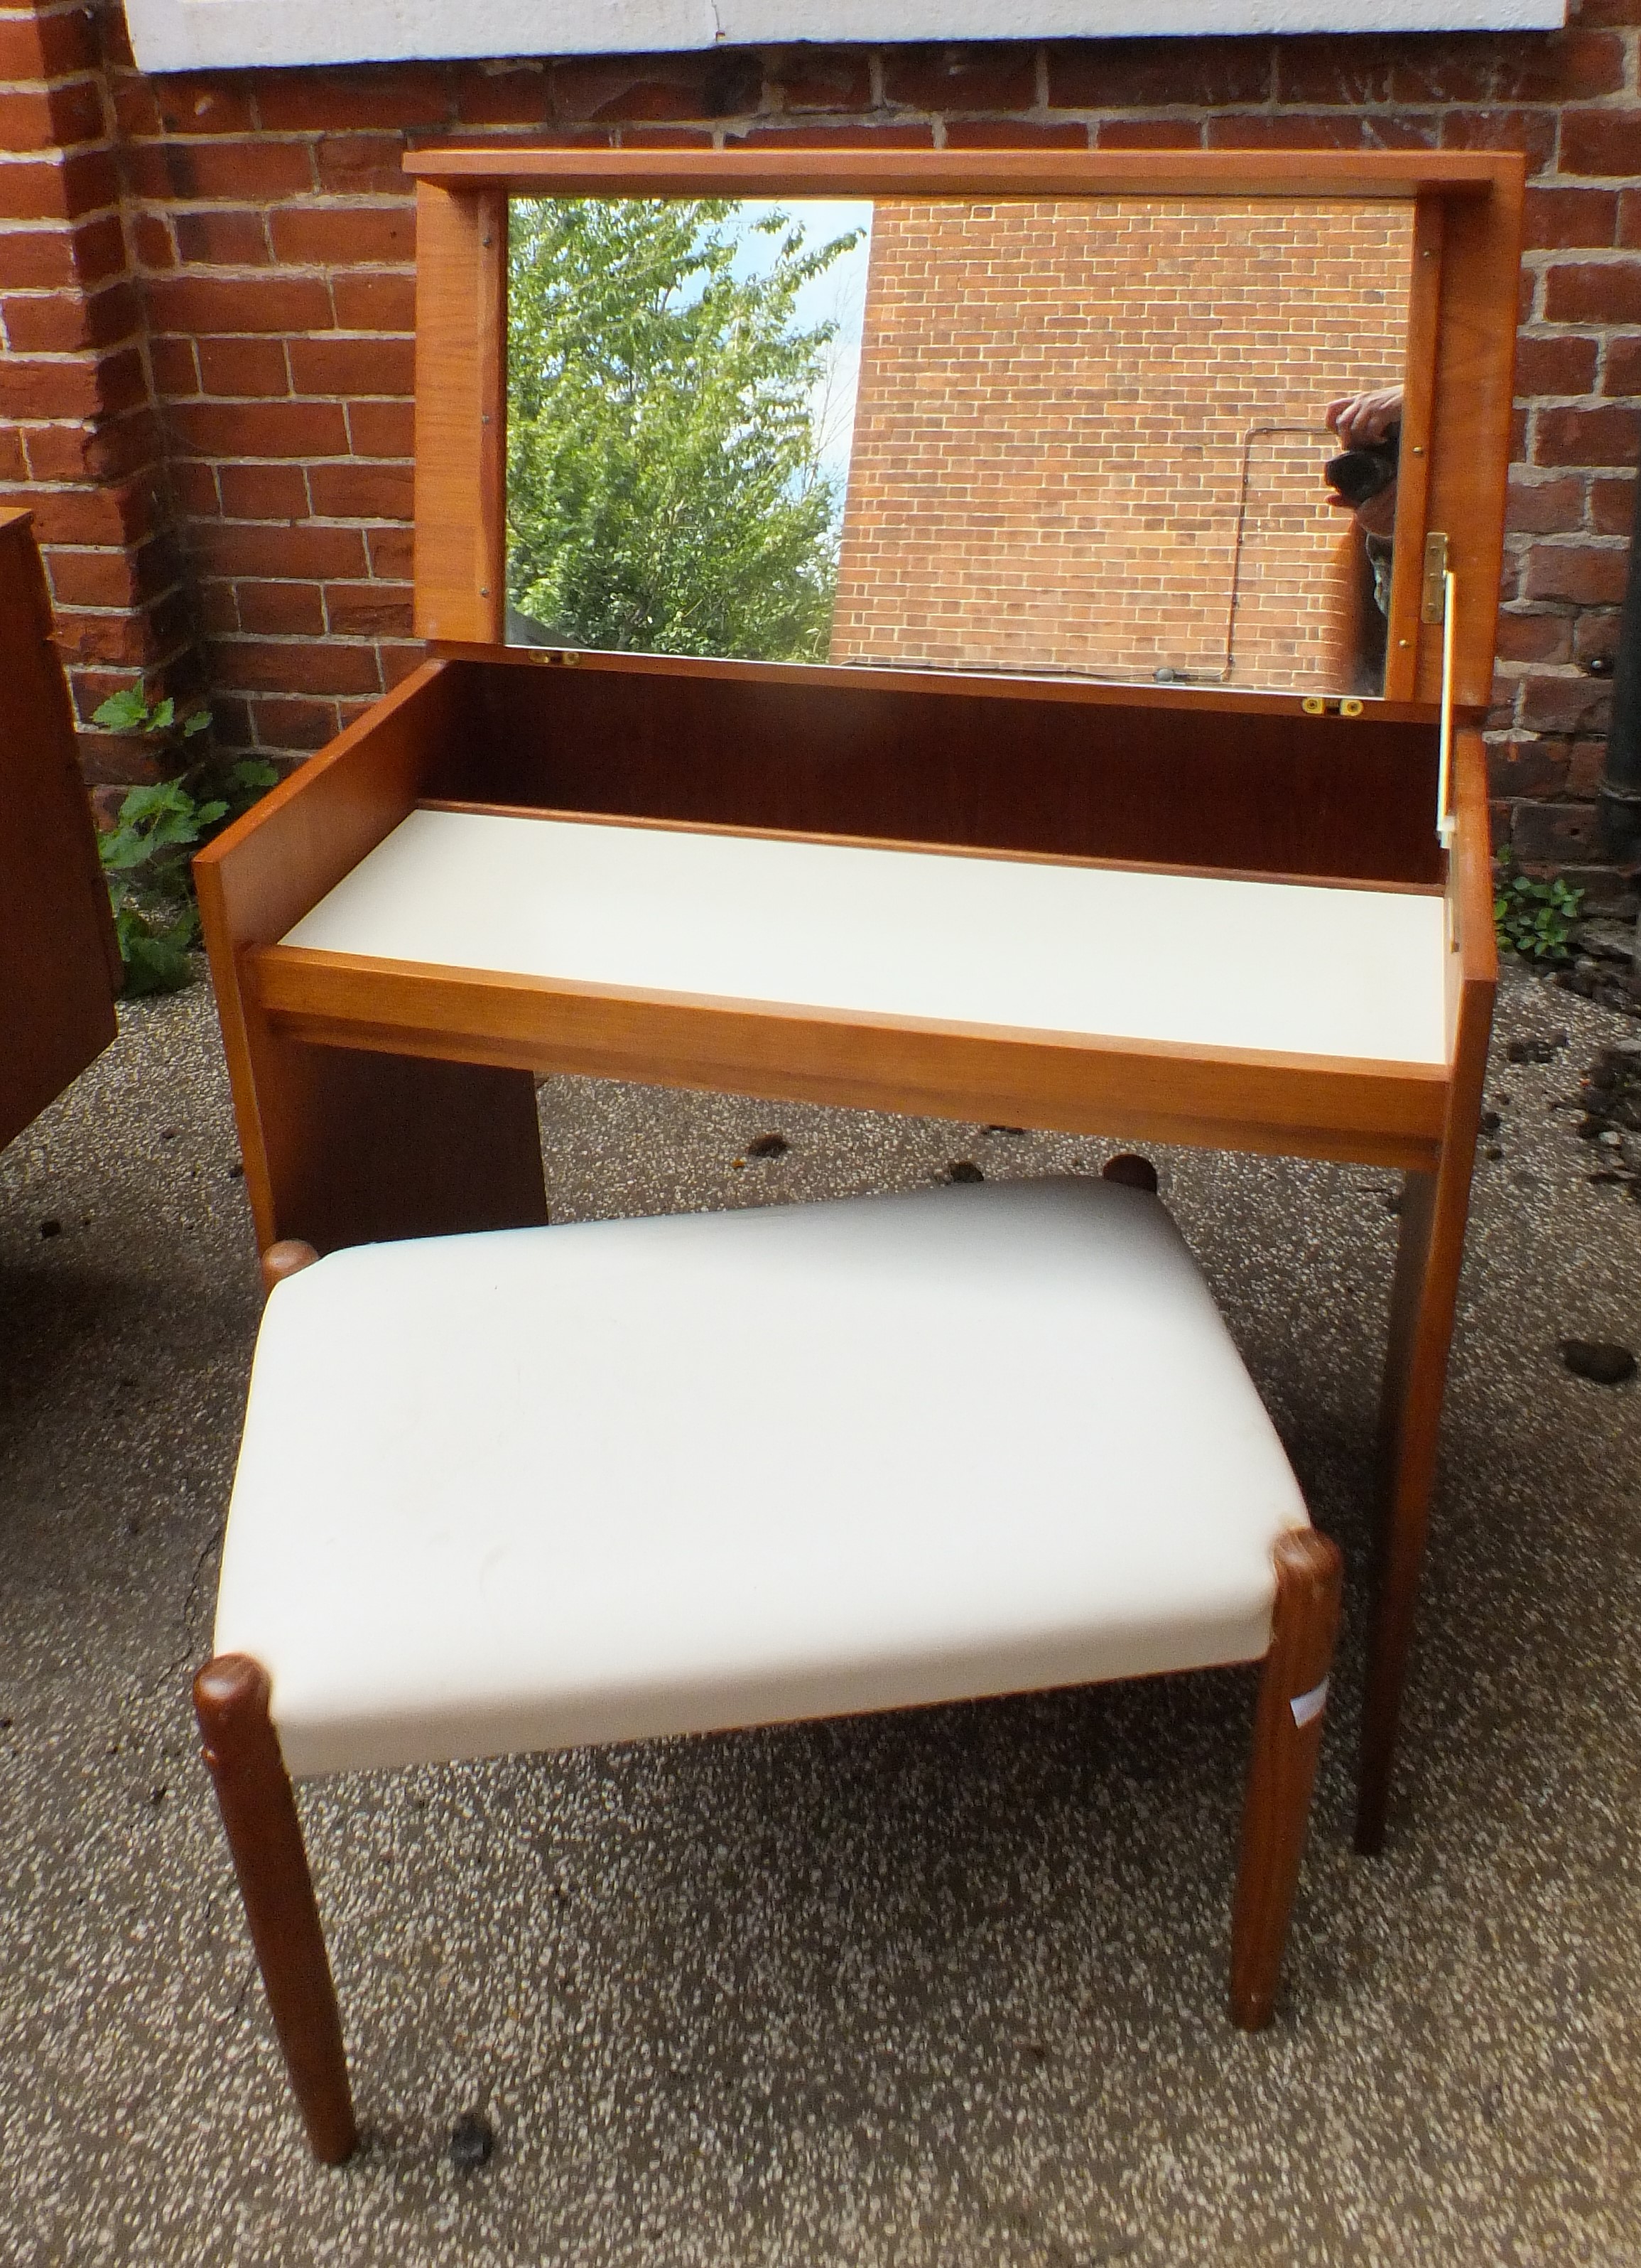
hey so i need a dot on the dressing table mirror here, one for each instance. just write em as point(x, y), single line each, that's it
point(1079, 437)
point(1028, 622)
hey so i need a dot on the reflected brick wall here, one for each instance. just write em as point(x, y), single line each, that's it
point(1081, 426)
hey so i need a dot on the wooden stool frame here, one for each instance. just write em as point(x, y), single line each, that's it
point(383, 1099)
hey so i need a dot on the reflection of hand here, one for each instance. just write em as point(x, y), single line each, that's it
point(1359, 418)
point(1378, 515)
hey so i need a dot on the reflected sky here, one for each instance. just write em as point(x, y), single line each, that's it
point(838, 296)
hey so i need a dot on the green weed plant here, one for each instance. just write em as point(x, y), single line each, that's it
point(1535, 919)
point(146, 854)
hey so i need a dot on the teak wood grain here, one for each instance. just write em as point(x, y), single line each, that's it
point(1305, 1620)
point(1302, 1105)
point(1424, 1293)
point(59, 965)
point(460, 414)
point(342, 1145)
point(1406, 633)
point(259, 1813)
point(864, 171)
point(1243, 790)
point(1475, 364)
point(1066, 686)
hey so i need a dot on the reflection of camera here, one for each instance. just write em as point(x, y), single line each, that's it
point(1363, 473)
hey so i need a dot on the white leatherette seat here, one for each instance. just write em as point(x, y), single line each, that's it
point(551, 1486)
point(561, 1486)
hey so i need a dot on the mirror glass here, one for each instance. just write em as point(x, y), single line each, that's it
point(1083, 436)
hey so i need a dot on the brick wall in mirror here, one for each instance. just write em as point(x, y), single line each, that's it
point(1094, 437)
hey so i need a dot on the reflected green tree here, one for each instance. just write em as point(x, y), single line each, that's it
point(664, 488)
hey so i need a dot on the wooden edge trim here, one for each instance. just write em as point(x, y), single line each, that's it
point(534, 1023)
point(269, 806)
point(1471, 971)
point(491, 374)
point(1405, 631)
point(866, 169)
point(292, 969)
point(1119, 692)
point(928, 850)
point(1478, 940)
point(979, 1096)
point(1472, 421)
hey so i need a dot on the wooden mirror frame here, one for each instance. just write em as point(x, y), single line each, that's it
point(1461, 327)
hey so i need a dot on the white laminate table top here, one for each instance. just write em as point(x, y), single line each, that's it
point(1284, 967)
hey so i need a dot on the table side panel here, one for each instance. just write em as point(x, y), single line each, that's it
point(342, 1145)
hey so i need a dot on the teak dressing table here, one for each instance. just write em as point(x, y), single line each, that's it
point(892, 887)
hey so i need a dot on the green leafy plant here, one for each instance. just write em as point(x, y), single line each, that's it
point(146, 853)
point(1534, 919)
point(666, 487)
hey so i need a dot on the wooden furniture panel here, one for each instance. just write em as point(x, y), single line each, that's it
point(1470, 426)
point(1173, 781)
point(1406, 633)
point(460, 397)
point(59, 966)
point(343, 1145)
point(1384, 1113)
point(585, 171)
point(1435, 1207)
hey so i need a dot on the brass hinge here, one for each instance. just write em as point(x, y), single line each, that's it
point(1433, 596)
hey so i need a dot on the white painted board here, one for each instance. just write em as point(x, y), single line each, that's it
point(1291, 969)
point(172, 35)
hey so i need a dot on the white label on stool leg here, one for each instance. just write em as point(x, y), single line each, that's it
point(1307, 1705)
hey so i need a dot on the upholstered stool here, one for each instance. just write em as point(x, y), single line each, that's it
point(549, 1487)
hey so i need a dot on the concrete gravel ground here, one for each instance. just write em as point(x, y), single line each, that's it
point(938, 1987)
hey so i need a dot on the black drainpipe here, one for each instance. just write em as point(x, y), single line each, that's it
point(1620, 789)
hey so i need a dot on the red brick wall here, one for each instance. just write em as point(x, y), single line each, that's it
point(205, 317)
point(1049, 433)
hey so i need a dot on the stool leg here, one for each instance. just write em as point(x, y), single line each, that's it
point(259, 1811)
point(1131, 1170)
point(1287, 1734)
point(288, 1257)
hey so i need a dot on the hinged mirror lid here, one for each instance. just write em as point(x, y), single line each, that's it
point(1333, 229)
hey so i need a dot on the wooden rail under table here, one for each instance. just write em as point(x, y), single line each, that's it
point(395, 965)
